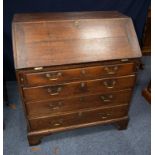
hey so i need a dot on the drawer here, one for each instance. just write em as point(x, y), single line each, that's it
point(69, 75)
point(42, 108)
point(105, 85)
point(81, 117)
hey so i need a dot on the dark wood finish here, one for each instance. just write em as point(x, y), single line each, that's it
point(135, 61)
point(78, 88)
point(74, 69)
point(123, 124)
point(62, 16)
point(37, 44)
point(81, 117)
point(85, 73)
point(147, 93)
point(146, 39)
point(35, 137)
point(34, 140)
point(42, 108)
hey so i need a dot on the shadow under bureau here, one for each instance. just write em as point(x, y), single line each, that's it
point(74, 69)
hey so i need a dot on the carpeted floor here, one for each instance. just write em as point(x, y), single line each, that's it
point(98, 140)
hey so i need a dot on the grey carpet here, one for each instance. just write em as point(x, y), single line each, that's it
point(98, 140)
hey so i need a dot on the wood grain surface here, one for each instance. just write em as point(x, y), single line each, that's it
point(71, 41)
point(74, 69)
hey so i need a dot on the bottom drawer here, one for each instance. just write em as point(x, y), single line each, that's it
point(81, 117)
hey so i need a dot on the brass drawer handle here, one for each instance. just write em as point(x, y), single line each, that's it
point(56, 108)
point(106, 98)
point(53, 107)
point(53, 76)
point(111, 70)
point(109, 83)
point(54, 92)
point(58, 123)
point(104, 116)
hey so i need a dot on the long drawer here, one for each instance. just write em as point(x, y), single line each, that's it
point(42, 108)
point(85, 73)
point(78, 88)
point(81, 117)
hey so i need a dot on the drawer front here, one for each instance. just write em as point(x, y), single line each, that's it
point(81, 117)
point(68, 75)
point(77, 103)
point(78, 88)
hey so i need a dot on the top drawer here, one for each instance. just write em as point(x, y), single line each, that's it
point(69, 75)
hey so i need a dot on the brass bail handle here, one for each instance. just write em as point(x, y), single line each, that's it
point(54, 92)
point(55, 107)
point(106, 98)
point(104, 115)
point(58, 123)
point(53, 76)
point(111, 70)
point(109, 84)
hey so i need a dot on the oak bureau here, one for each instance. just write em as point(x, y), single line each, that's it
point(74, 69)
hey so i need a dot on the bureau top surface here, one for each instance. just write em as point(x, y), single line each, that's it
point(48, 39)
